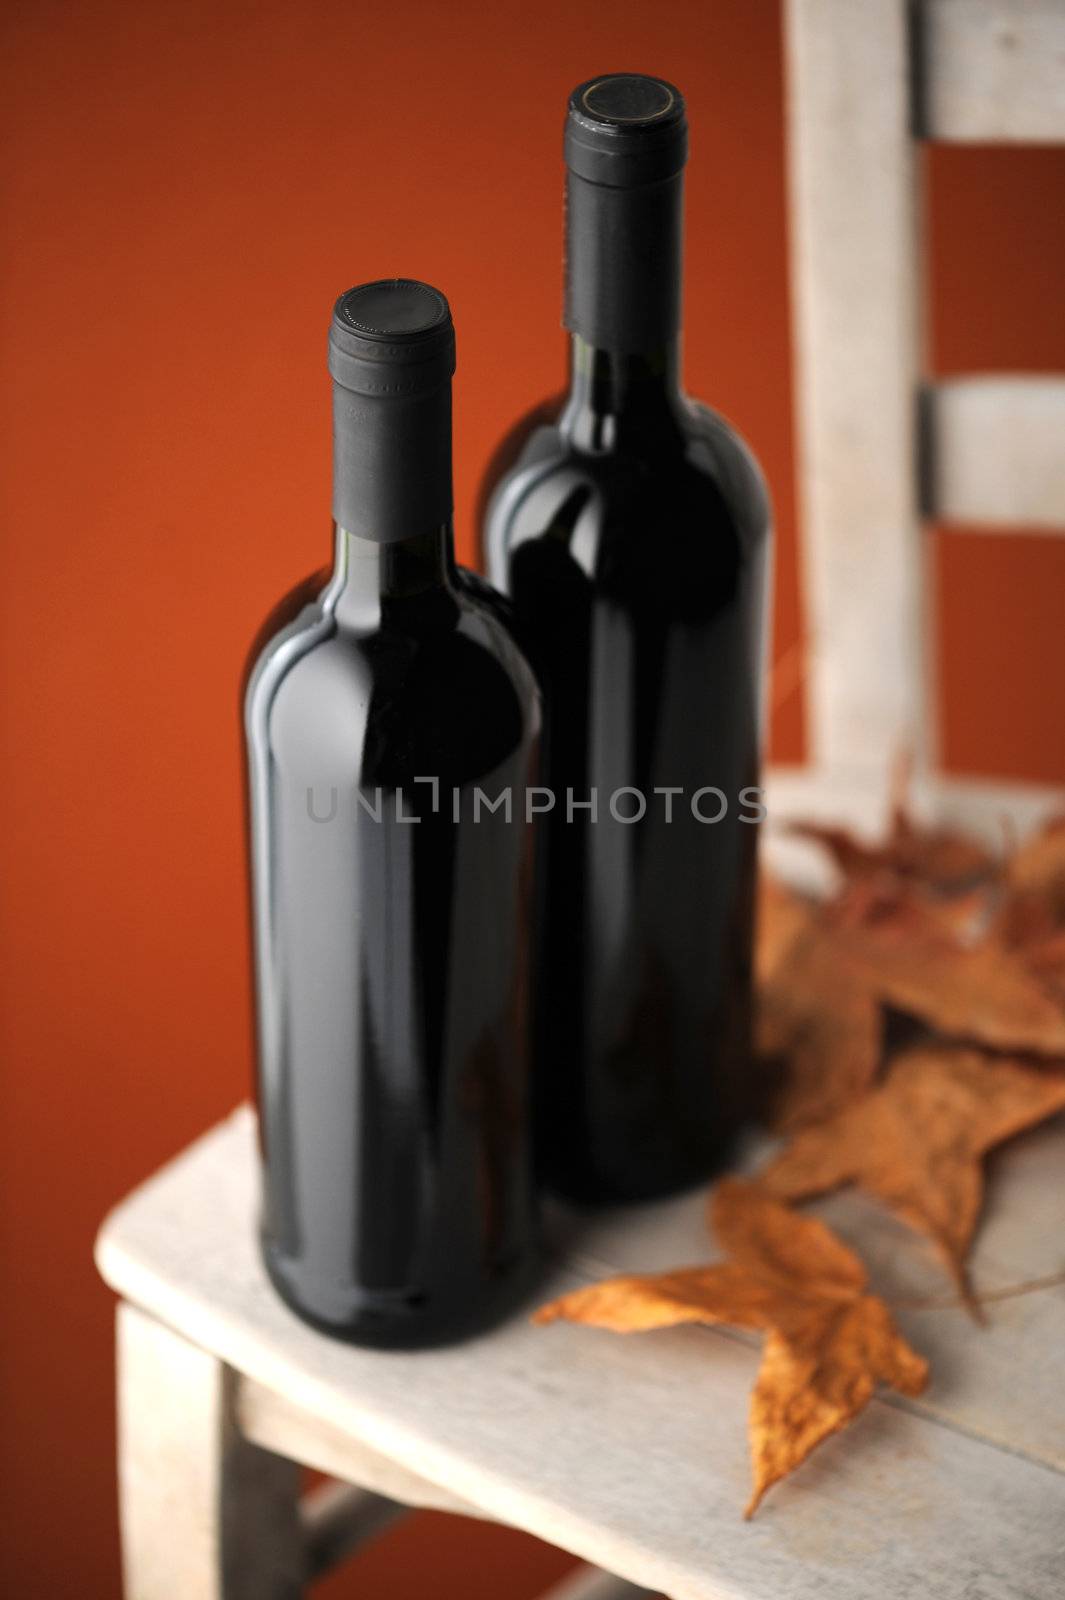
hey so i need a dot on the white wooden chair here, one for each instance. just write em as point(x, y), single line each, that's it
point(880, 448)
point(632, 1452)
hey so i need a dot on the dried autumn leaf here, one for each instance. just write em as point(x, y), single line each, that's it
point(784, 917)
point(821, 1017)
point(829, 1341)
point(1045, 960)
point(937, 857)
point(983, 992)
point(917, 1141)
point(815, 1016)
point(1040, 863)
point(1031, 920)
point(1026, 920)
point(906, 909)
point(902, 948)
point(826, 972)
point(818, 1012)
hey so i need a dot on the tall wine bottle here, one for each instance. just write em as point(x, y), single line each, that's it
point(390, 903)
point(631, 531)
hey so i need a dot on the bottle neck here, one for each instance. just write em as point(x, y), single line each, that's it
point(373, 582)
point(617, 395)
point(622, 306)
point(392, 460)
point(623, 264)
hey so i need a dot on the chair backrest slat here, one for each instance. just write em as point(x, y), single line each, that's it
point(996, 453)
point(991, 71)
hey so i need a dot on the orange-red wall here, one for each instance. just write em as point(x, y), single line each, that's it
point(189, 184)
point(996, 233)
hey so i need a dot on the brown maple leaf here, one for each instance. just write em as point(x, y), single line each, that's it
point(941, 858)
point(916, 1142)
point(981, 991)
point(817, 1022)
point(907, 908)
point(784, 917)
point(1031, 919)
point(1039, 864)
point(829, 1342)
point(1045, 960)
point(826, 972)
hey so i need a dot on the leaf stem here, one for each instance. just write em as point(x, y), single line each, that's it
point(957, 1302)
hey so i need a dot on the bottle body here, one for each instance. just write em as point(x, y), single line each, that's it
point(391, 944)
point(392, 729)
point(633, 538)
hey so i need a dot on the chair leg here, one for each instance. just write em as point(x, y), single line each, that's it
point(205, 1515)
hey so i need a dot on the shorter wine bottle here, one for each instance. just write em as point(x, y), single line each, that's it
point(384, 720)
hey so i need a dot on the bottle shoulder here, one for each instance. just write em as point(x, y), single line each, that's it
point(694, 477)
point(513, 448)
point(452, 688)
point(305, 619)
point(280, 618)
point(717, 448)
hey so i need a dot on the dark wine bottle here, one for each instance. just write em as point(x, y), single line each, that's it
point(390, 904)
point(632, 534)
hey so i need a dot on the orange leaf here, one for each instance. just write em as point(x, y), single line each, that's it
point(815, 1380)
point(783, 919)
point(1031, 920)
point(891, 909)
point(829, 1341)
point(917, 1141)
point(799, 1255)
point(1045, 960)
point(983, 992)
point(936, 857)
point(899, 948)
point(815, 1013)
point(1040, 862)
